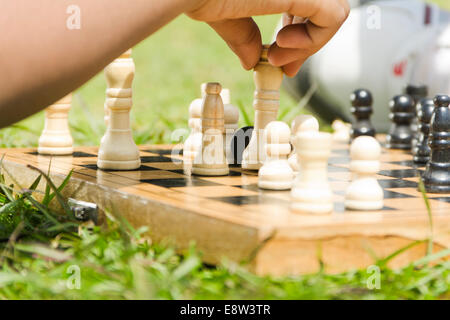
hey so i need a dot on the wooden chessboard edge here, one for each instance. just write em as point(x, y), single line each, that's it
point(165, 224)
point(281, 257)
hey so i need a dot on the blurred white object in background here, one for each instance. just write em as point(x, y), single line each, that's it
point(383, 46)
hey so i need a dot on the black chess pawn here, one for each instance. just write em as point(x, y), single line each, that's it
point(417, 92)
point(362, 101)
point(421, 150)
point(238, 143)
point(402, 114)
point(436, 177)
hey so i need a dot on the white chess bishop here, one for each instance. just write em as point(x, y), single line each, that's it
point(117, 148)
point(56, 138)
point(311, 191)
point(301, 123)
point(364, 192)
point(276, 173)
point(211, 160)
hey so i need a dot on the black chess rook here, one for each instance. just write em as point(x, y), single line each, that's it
point(362, 101)
point(436, 177)
point(402, 114)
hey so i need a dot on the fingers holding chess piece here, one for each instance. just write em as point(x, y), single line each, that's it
point(301, 123)
point(311, 191)
point(364, 192)
point(276, 173)
point(436, 177)
point(211, 160)
point(362, 101)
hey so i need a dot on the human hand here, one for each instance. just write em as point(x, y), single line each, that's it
point(296, 41)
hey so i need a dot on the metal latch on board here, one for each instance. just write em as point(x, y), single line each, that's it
point(83, 210)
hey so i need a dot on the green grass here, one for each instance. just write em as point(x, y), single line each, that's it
point(39, 250)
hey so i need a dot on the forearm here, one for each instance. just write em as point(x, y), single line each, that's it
point(42, 59)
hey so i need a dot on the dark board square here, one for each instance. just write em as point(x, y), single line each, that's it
point(151, 159)
point(251, 187)
point(165, 151)
point(256, 199)
point(141, 168)
point(397, 183)
point(332, 168)
point(443, 199)
point(341, 151)
point(407, 163)
point(395, 195)
point(387, 194)
point(180, 182)
point(401, 173)
point(77, 154)
point(235, 173)
point(338, 160)
point(339, 207)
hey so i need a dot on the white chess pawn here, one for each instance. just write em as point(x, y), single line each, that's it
point(56, 138)
point(211, 160)
point(341, 131)
point(117, 148)
point(364, 192)
point(276, 173)
point(193, 143)
point(231, 114)
point(311, 191)
point(301, 123)
point(266, 103)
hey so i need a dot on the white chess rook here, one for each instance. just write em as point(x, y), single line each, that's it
point(211, 160)
point(301, 123)
point(311, 192)
point(266, 102)
point(364, 192)
point(118, 150)
point(56, 138)
point(276, 173)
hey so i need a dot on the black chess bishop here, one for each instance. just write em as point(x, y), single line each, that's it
point(417, 92)
point(362, 101)
point(436, 177)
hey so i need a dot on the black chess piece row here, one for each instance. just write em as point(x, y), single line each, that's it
point(418, 124)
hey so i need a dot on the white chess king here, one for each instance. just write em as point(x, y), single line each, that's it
point(117, 148)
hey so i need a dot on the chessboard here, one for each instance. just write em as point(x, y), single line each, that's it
point(230, 218)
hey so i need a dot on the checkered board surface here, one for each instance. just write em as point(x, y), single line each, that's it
point(162, 172)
